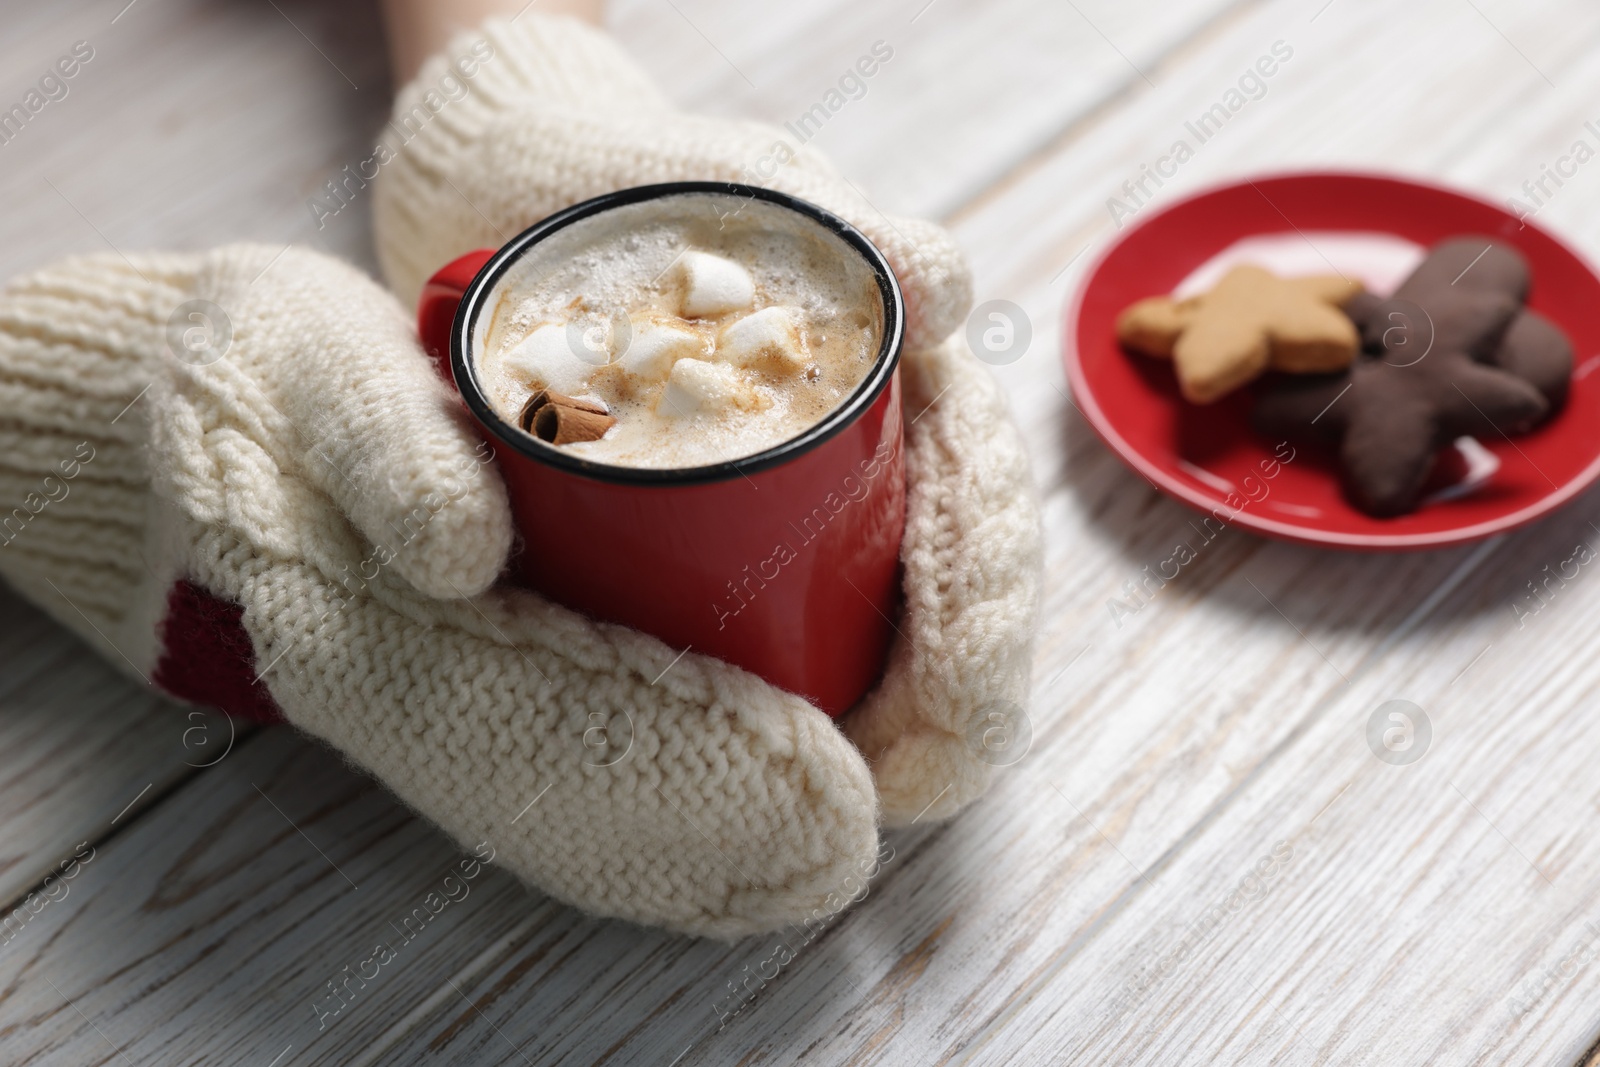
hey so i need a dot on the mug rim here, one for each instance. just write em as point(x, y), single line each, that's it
point(865, 394)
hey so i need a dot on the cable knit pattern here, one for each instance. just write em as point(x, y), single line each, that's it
point(715, 805)
point(336, 391)
point(558, 114)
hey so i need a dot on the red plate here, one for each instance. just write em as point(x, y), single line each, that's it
point(1192, 453)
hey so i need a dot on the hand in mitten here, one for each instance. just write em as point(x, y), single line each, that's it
point(243, 480)
point(525, 118)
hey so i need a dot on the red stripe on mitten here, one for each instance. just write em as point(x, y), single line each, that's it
point(206, 657)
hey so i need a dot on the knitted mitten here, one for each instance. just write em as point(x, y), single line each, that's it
point(523, 118)
point(238, 477)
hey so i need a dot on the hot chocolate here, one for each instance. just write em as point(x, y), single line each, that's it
point(679, 332)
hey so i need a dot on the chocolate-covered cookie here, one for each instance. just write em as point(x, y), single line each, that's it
point(1535, 350)
point(1474, 264)
point(1423, 384)
point(1532, 347)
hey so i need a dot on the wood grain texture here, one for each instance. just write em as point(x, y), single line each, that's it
point(1002, 919)
point(195, 124)
point(972, 88)
point(82, 750)
point(210, 932)
point(1438, 912)
point(1170, 754)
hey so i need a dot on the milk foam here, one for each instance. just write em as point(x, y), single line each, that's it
point(619, 288)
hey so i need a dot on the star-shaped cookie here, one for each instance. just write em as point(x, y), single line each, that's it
point(1251, 322)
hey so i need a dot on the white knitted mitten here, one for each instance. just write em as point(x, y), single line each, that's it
point(238, 476)
point(521, 119)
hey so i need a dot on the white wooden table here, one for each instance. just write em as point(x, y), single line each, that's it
point(1100, 905)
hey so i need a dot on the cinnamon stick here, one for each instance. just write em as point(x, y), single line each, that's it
point(562, 424)
point(550, 396)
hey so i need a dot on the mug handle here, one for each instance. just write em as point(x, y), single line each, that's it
point(436, 308)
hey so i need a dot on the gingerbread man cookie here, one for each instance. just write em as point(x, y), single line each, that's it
point(1429, 378)
point(1251, 322)
point(1533, 348)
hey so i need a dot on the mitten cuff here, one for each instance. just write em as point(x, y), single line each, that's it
point(443, 114)
point(80, 343)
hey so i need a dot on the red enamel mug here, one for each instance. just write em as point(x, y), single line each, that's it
point(784, 563)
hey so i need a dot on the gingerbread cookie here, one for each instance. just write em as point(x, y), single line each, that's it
point(1427, 378)
point(1474, 264)
point(1251, 322)
point(1533, 348)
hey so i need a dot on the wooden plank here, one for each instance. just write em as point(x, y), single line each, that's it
point(971, 88)
point(1402, 1017)
point(85, 749)
point(212, 930)
point(970, 913)
point(1435, 912)
point(223, 152)
point(1142, 760)
point(193, 125)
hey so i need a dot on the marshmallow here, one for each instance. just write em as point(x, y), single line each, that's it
point(696, 385)
point(656, 346)
point(713, 285)
point(770, 338)
point(545, 357)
